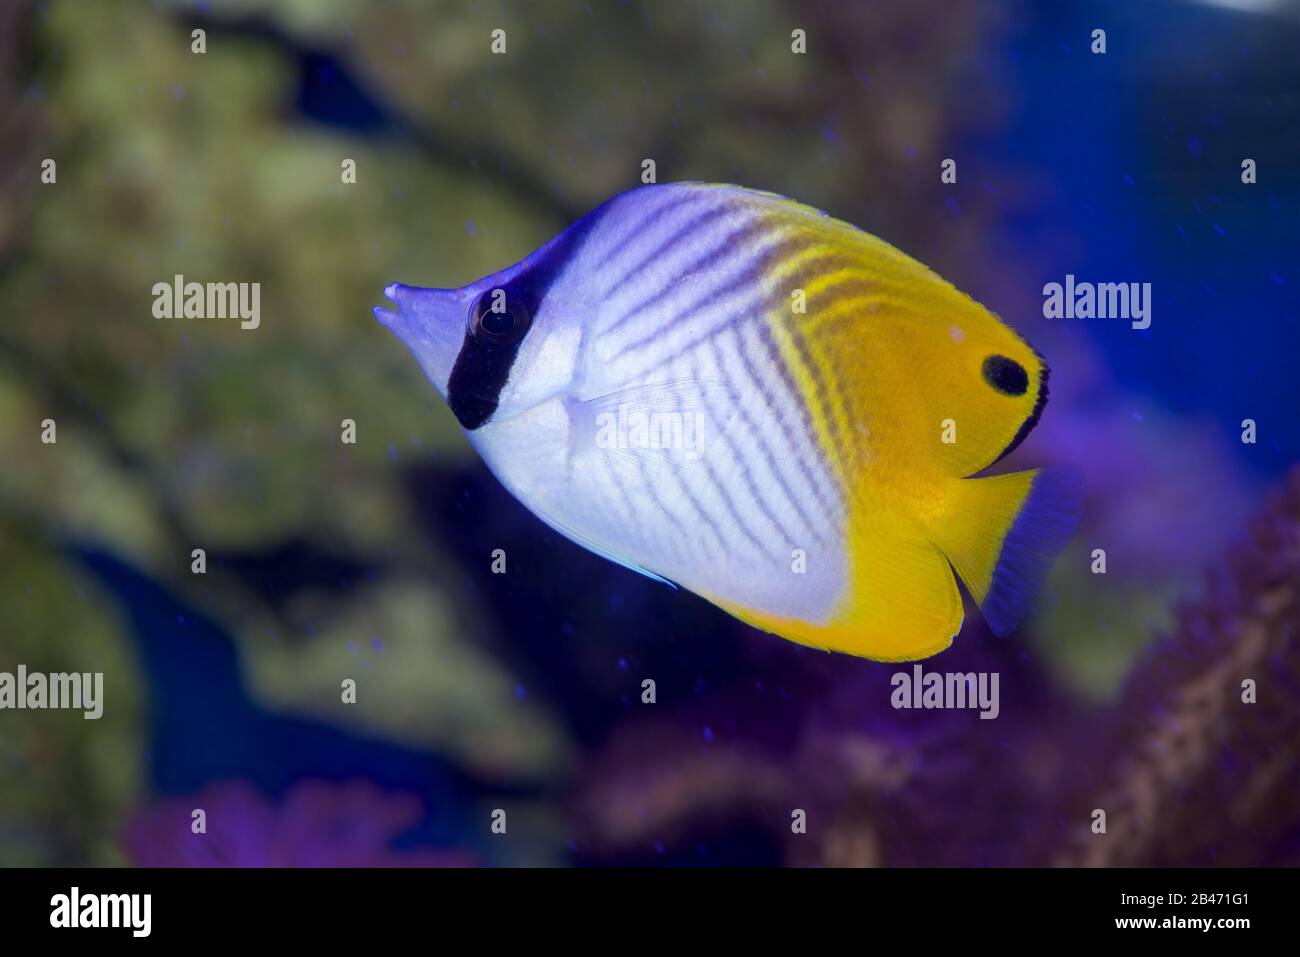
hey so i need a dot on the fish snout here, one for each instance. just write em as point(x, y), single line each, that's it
point(405, 316)
point(429, 322)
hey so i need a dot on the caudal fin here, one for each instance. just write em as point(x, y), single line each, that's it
point(1001, 534)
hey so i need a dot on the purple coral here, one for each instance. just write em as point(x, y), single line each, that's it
point(315, 824)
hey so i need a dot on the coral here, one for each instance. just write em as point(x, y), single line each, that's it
point(1191, 774)
point(317, 824)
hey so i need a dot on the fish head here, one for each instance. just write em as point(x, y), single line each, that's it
point(494, 348)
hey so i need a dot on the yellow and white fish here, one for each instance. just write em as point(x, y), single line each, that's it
point(731, 391)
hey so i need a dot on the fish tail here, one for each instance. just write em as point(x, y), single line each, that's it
point(1002, 532)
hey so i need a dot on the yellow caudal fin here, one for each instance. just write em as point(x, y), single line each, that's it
point(1002, 532)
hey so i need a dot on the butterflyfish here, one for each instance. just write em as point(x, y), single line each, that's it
point(735, 393)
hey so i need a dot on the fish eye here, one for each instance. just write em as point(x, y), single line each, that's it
point(498, 318)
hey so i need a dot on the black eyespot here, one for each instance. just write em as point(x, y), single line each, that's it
point(1006, 375)
point(499, 319)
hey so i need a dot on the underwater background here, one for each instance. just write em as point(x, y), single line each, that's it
point(523, 692)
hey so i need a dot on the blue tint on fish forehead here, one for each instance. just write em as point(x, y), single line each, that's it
point(482, 367)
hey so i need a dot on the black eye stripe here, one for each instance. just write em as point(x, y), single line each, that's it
point(486, 356)
point(482, 367)
point(1006, 375)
